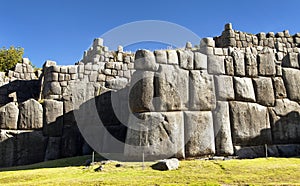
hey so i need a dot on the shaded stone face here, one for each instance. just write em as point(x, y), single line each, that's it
point(9, 116)
point(31, 115)
point(250, 124)
point(157, 135)
point(291, 79)
point(171, 88)
point(199, 133)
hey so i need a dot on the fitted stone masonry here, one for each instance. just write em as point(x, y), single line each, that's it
point(230, 96)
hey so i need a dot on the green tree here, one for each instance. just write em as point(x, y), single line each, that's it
point(10, 57)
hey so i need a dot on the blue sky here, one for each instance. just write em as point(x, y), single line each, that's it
point(61, 30)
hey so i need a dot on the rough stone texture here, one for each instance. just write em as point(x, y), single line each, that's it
point(145, 60)
point(31, 115)
point(167, 164)
point(229, 67)
point(224, 87)
point(249, 124)
point(200, 61)
point(9, 116)
point(285, 122)
point(202, 91)
point(222, 129)
point(239, 63)
point(161, 56)
point(244, 89)
point(142, 91)
point(279, 88)
point(215, 64)
point(186, 59)
point(251, 65)
point(264, 91)
point(21, 147)
point(291, 60)
point(158, 135)
point(171, 88)
point(172, 57)
point(291, 79)
point(53, 120)
point(266, 64)
point(199, 133)
point(53, 148)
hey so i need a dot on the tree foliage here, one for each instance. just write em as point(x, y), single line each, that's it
point(10, 57)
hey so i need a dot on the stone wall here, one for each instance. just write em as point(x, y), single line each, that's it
point(231, 96)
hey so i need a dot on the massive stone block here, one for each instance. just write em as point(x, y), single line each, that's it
point(171, 88)
point(251, 65)
point(266, 63)
point(224, 87)
point(157, 135)
point(202, 91)
point(9, 116)
point(21, 147)
point(215, 64)
point(200, 61)
point(222, 129)
point(142, 91)
point(53, 120)
point(145, 60)
point(186, 59)
point(239, 63)
point(198, 133)
point(161, 56)
point(172, 57)
point(53, 148)
point(244, 89)
point(291, 79)
point(279, 88)
point(291, 60)
point(250, 124)
point(285, 122)
point(31, 115)
point(264, 91)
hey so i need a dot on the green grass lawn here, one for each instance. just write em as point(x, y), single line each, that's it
point(271, 171)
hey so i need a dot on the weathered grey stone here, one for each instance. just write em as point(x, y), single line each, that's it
point(285, 106)
point(239, 63)
point(199, 133)
point(145, 60)
point(251, 65)
point(291, 60)
point(249, 124)
point(31, 115)
point(215, 64)
point(117, 83)
point(166, 164)
point(71, 142)
point(9, 116)
point(49, 63)
point(200, 61)
point(53, 148)
point(161, 56)
point(266, 63)
point(21, 147)
point(171, 87)
point(264, 91)
point(53, 120)
point(222, 129)
point(158, 135)
point(186, 59)
point(244, 89)
point(207, 42)
point(229, 67)
point(224, 87)
point(291, 79)
point(201, 91)
point(188, 45)
point(55, 88)
point(172, 57)
point(142, 91)
point(279, 88)
point(256, 151)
